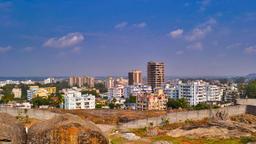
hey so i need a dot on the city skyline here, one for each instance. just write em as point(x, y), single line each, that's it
point(110, 38)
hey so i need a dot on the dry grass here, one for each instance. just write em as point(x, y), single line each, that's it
point(186, 125)
point(245, 118)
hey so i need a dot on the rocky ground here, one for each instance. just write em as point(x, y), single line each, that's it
point(65, 129)
point(76, 129)
point(11, 131)
point(62, 129)
point(234, 130)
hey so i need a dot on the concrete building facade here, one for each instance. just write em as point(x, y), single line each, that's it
point(151, 101)
point(81, 81)
point(75, 100)
point(155, 74)
point(135, 77)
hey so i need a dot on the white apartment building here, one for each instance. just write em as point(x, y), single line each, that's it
point(213, 93)
point(75, 100)
point(109, 83)
point(49, 80)
point(199, 91)
point(193, 91)
point(116, 92)
point(27, 82)
point(3, 83)
point(230, 92)
point(136, 90)
point(172, 91)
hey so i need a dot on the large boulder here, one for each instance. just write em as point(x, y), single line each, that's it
point(66, 129)
point(11, 131)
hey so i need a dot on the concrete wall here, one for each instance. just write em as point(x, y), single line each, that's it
point(188, 115)
point(246, 101)
point(32, 113)
point(172, 117)
point(251, 109)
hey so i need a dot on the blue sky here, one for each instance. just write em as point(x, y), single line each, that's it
point(112, 37)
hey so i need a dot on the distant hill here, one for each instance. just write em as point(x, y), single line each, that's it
point(251, 76)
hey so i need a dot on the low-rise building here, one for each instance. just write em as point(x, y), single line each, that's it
point(25, 105)
point(151, 101)
point(116, 92)
point(49, 81)
point(6, 82)
point(135, 90)
point(172, 91)
point(17, 92)
point(35, 91)
point(230, 92)
point(75, 100)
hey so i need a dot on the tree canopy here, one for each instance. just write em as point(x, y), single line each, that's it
point(250, 89)
point(101, 87)
point(177, 103)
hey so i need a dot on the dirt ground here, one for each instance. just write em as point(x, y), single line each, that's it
point(111, 116)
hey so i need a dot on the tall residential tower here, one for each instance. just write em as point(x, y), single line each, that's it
point(155, 74)
point(135, 77)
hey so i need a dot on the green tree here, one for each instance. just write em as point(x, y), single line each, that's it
point(38, 101)
point(250, 89)
point(93, 92)
point(111, 105)
point(24, 89)
point(98, 106)
point(131, 99)
point(201, 106)
point(179, 103)
point(101, 87)
point(56, 100)
point(7, 93)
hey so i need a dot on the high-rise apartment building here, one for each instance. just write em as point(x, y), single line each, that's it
point(134, 77)
point(109, 83)
point(81, 81)
point(155, 75)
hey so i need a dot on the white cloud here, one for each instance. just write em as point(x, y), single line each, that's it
point(140, 25)
point(180, 52)
point(250, 50)
point(69, 40)
point(200, 31)
point(176, 33)
point(196, 46)
point(121, 25)
point(5, 49)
